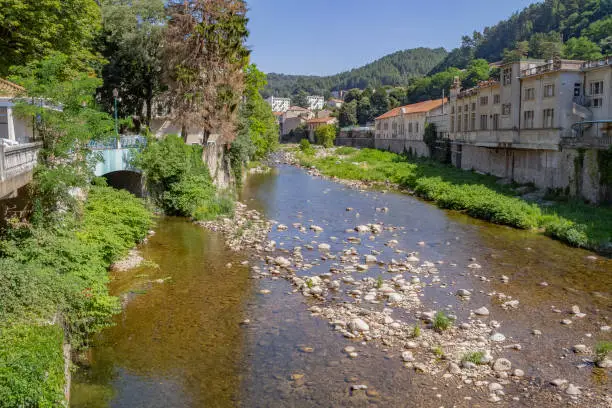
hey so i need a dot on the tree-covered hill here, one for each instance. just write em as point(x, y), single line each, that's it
point(393, 69)
point(539, 30)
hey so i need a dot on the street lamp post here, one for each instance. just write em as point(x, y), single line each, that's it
point(115, 95)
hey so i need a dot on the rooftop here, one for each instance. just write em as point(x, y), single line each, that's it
point(420, 107)
point(321, 120)
point(8, 88)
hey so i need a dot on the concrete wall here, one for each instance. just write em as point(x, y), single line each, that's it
point(361, 142)
point(417, 147)
point(569, 169)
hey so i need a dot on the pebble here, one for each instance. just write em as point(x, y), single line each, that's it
point(575, 309)
point(566, 321)
point(495, 387)
point(502, 364)
point(464, 293)
point(536, 332)
point(572, 390)
point(349, 349)
point(559, 382)
point(359, 325)
point(265, 291)
point(497, 337)
point(579, 348)
point(483, 311)
point(407, 356)
point(518, 373)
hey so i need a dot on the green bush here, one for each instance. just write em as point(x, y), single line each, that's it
point(344, 150)
point(31, 366)
point(325, 135)
point(442, 322)
point(179, 181)
point(475, 357)
point(306, 148)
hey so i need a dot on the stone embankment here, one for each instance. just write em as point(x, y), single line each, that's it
point(433, 342)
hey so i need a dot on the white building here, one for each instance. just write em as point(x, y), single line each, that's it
point(12, 128)
point(315, 102)
point(279, 104)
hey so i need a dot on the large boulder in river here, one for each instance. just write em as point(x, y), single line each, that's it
point(282, 262)
point(358, 325)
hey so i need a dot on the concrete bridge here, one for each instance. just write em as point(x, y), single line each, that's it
point(16, 165)
point(115, 164)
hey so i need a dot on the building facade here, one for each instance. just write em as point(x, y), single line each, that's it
point(315, 102)
point(292, 118)
point(315, 123)
point(335, 103)
point(402, 129)
point(528, 126)
point(279, 104)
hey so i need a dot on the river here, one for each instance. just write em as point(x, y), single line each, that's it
point(181, 343)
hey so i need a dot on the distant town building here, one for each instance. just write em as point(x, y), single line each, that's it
point(292, 118)
point(335, 103)
point(13, 129)
point(315, 102)
point(279, 104)
point(402, 129)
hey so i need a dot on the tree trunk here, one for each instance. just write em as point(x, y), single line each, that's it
point(184, 133)
point(149, 102)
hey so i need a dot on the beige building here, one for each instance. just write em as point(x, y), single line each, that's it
point(401, 130)
point(293, 118)
point(335, 103)
point(525, 127)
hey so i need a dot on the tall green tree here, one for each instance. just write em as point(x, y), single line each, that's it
point(600, 32)
point(300, 99)
point(348, 114)
point(66, 124)
point(133, 33)
point(477, 70)
point(365, 112)
point(32, 30)
point(204, 60)
point(545, 45)
point(380, 102)
point(582, 49)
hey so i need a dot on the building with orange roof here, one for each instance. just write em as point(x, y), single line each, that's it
point(402, 129)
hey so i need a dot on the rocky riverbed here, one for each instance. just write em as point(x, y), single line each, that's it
point(377, 292)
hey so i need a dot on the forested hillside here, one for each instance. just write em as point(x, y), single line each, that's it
point(578, 29)
point(394, 69)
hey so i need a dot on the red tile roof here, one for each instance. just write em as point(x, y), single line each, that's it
point(297, 108)
point(8, 88)
point(420, 107)
point(277, 113)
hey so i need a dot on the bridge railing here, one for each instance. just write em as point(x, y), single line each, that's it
point(16, 160)
point(123, 142)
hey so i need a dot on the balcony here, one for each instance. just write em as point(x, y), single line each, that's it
point(598, 63)
point(595, 134)
point(552, 66)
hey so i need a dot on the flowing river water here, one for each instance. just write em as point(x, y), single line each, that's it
point(181, 343)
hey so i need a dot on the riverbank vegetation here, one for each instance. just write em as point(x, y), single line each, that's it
point(53, 285)
point(178, 180)
point(573, 222)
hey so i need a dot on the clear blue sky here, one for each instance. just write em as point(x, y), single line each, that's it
point(322, 37)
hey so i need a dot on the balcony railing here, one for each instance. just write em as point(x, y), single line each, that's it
point(598, 63)
point(16, 160)
point(123, 142)
point(595, 134)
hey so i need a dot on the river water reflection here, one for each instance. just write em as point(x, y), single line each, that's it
point(180, 343)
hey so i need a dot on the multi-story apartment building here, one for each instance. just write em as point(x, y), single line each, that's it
point(292, 118)
point(525, 127)
point(315, 102)
point(402, 129)
point(279, 104)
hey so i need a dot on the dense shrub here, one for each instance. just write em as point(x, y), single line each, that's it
point(306, 148)
point(325, 135)
point(32, 366)
point(179, 181)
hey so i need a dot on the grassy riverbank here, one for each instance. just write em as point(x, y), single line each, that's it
point(53, 286)
point(478, 195)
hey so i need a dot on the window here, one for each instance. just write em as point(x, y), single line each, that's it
point(577, 87)
point(483, 122)
point(409, 127)
point(507, 76)
point(416, 127)
point(597, 88)
point(496, 121)
point(473, 105)
point(548, 115)
point(484, 100)
point(528, 119)
point(452, 124)
point(3, 115)
point(458, 123)
point(496, 99)
point(453, 109)
point(465, 108)
point(459, 109)
point(549, 90)
point(465, 122)
point(506, 109)
point(597, 103)
point(473, 121)
point(529, 94)
point(386, 125)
